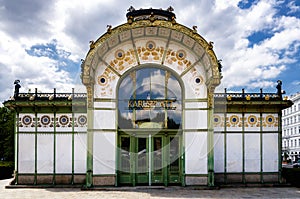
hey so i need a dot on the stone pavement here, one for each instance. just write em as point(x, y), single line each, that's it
point(143, 193)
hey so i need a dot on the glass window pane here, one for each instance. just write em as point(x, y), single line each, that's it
point(147, 100)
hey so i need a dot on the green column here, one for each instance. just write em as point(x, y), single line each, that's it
point(90, 135)
point(210, 140)
point(89, 166)
point(35, 145)
point(16, 129)
point(280, 145)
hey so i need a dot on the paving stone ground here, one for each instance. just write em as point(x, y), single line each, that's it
point(144, 193)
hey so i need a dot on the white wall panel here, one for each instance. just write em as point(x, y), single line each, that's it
point(219, 152)
point(104, 119)
point(26, 156)
point(196, 153)
point(192, 89)
point(45, 157)
point(196, 105)
point(234, 152)
point(80, 151)
point(104, 159)
point(252, 152)
point(104, 105)
point(63, 153)
point(195, 119)
point(270, 152)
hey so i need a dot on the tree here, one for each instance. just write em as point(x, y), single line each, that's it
point(6, 134)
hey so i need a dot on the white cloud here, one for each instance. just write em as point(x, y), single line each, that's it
point(26, 23)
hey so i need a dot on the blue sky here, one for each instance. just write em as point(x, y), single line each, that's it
point(42, 42)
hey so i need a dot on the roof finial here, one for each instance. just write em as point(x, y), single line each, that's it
point(130, 9)
point(109, 28)
point(92, 44)
point(170, 9)
point(195, 29)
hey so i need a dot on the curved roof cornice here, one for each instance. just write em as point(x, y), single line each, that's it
point(213, 70)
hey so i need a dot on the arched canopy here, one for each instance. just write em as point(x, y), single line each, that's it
point(152, 39)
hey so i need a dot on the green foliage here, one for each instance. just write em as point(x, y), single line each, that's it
point(6, 164)
point(6, 134)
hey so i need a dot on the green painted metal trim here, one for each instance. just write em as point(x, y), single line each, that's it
point(195, 130)
point(248, 132)
point(243, 146)
point(280, 146)
point(35, 148)
point(117, 155)
point(59, 132)
point(182, 152)
point(196, 175)
point(103, 130)
point(195, 100)
point(225, 148)
point(73, 146)
point(16, 130)
point(151, 130)
point(54, 148)
point(165, 158)
point(105, 109)
point(105, 100)
point(90, 136)
point(261, 147)
point(197, 109)
point(104, 175)
point(210, 147)
point(133, 160)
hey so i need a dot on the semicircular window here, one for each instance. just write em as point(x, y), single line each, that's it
point(150, 98)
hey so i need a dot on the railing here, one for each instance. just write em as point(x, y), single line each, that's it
point(218, 96)
point(247, 96)
point(49, 96)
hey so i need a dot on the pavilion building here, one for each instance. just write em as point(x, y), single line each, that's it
point(150, 116)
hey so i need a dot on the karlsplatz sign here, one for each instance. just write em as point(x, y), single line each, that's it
point(145, 104)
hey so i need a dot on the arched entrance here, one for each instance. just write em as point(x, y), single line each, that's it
point(150, 150)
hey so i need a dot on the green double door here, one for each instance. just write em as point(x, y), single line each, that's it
point(149, 159)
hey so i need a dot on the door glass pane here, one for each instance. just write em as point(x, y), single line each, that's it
point(142, 156)
point(125, 154)
point(174, 154)
point(157, 154)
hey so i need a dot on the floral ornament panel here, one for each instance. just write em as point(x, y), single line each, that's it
point(252, 121)
point(196, 82)
point(123, 60)
point(270, 121)
point(177, 59)
point(234, 121)
point(45, 120)
point(150, 52)
point(218, 120)
point(82, 120)
point(105, 82)
point(26, 121)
